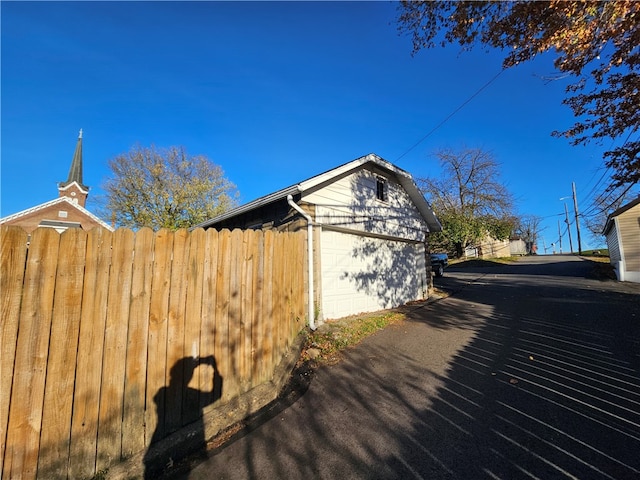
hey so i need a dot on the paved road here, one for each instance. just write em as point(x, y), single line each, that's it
point(528, 371)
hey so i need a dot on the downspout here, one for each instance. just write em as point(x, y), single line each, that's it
point(296, 207)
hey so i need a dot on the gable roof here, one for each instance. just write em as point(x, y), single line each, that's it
point(58, 200)
point(404, 178)
point(619, 211)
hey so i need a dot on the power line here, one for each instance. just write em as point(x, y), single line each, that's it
point(596, 206)
point(452, 114)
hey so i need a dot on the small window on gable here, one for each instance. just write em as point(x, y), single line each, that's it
point(62, 214)
point(382, 189)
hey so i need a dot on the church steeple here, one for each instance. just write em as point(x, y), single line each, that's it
point(73, 187)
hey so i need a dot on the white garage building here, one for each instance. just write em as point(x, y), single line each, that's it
point(370, 229)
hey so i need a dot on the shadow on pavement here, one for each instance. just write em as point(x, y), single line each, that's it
point(531, 376)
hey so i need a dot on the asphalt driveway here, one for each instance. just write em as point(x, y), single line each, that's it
point(526, 371)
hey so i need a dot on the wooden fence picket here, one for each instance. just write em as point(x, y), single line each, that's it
point(115, 350)
point(221, 336)
point(257, 286)
point(267, 306)
point(88, 371)
point(193, 316)
point(32, 349)
point(13, 245)
point(58, 398)
point(157, 342)
point(232, 386)
point(175, 333)
point(133, 439)
point(208, 322)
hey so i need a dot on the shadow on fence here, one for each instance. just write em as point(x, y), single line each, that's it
point(193, 402)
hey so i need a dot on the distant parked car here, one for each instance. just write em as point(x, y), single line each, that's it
point(439, 262)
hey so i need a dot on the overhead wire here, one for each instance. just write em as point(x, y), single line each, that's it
point(601, 205)
point(448, 117)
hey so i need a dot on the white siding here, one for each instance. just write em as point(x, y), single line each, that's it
point(363, 274)
point(628, 226)
point(613, 245)
point(623, 241)
point(351, 203)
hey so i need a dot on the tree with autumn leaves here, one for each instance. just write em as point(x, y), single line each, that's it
point(597, 42)
point(165, 188)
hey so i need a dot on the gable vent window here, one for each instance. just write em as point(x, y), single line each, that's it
point(382, 189)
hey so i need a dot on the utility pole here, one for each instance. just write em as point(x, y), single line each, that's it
point(560, 235)
point(575, 209)
point(566, 214)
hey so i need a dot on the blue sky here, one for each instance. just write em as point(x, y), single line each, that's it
point(274, 92)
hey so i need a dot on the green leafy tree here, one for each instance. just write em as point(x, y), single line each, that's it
point(597, 42)
point(165, 188)
point(469, 199)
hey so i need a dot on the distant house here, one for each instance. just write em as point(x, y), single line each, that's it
point(492, 248)
point(370, 226)
point(66, 211)
point(517, 246)
point(622, 232)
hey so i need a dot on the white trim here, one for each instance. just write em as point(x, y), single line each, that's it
point(86, 192)
point(56, 201)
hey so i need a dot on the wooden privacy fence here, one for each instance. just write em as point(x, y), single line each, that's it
point(102, 332)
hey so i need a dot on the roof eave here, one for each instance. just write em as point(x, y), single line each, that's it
point(257, 203)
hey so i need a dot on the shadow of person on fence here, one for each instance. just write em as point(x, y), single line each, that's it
point(180, 430)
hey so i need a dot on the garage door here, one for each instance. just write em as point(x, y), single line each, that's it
point(362, 274)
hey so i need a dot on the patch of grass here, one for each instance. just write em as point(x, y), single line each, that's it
point(329, 340)
point(600, 253)
point(599, 259)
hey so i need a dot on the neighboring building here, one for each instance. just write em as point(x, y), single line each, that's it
point(518, 246)
point(370, 231)
point(622, 231)
point(493, 248)
point(66, 211)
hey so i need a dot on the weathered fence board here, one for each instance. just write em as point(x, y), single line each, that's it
point(175, 335)
point(113, 340)
point(222, 309)
point(191, 402)
point(266, 361)
point(65, 326)
point(32, 349)
point(256, 289)
point(133, 439)
point(157, 344)
point(86, 404)
point(115, 350)
point(207, 325)
point(13, 245)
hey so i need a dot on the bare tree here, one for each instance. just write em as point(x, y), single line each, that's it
point(469, 199)
point(528, 229)
point(165, 188)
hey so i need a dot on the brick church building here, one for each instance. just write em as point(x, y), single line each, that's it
point(66, 211)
